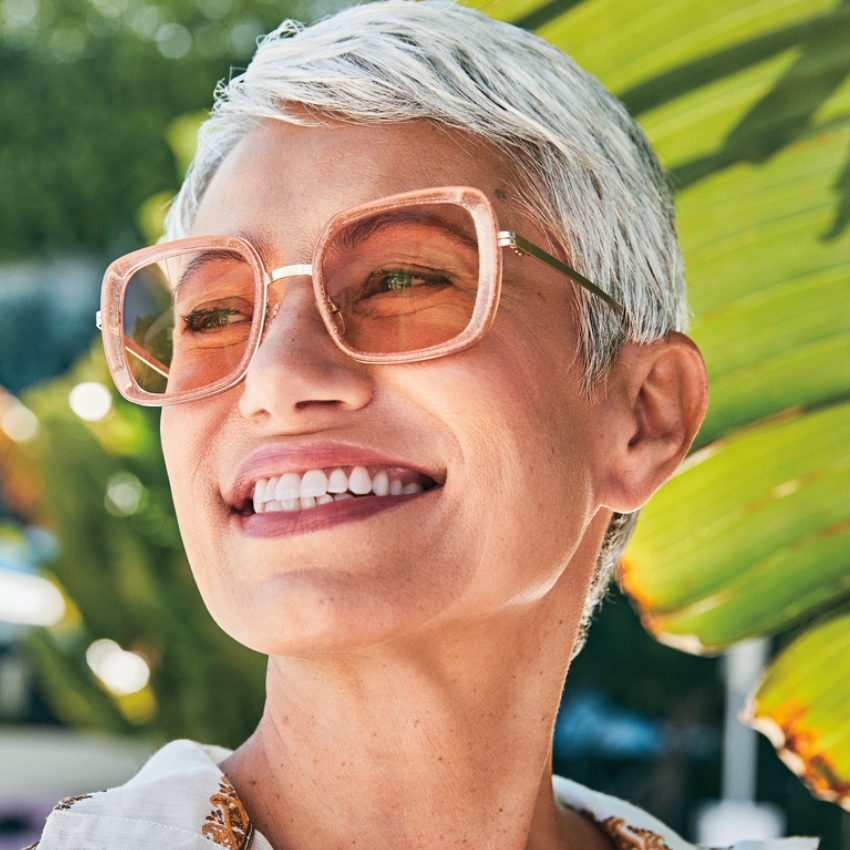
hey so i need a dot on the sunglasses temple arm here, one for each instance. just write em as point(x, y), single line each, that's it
point(139, 353)
point(508, 239)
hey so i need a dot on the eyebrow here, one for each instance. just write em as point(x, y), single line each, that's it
point(202, 260)
point(353, 234)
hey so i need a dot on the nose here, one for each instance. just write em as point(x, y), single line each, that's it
point(299, 379)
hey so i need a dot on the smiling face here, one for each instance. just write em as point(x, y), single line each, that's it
point(328, 504)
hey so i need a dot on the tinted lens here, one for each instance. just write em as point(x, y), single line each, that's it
point(403, 280)
point(187, 320)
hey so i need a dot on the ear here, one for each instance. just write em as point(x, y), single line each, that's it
point(657, 395)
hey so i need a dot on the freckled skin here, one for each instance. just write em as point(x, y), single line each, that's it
point(423, 648)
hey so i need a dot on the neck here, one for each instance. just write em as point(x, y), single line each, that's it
point(440, 740)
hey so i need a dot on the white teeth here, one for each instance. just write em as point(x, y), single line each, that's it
point(381, 483)
point(360, 482)
point(268, 490)
point(293, 492)
point(288, 486)
point(314, 483)
point(259, 489)
point(338, 481)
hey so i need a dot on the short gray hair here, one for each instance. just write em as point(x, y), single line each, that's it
point(588, 174)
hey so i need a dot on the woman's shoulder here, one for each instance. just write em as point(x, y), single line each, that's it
point(179, 799)
point(631, 828)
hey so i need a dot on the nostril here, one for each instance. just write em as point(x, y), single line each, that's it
point(331, 402)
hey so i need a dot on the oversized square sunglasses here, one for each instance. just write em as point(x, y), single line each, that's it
point(402, 279)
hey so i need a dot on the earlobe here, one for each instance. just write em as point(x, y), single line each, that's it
point(659, 394)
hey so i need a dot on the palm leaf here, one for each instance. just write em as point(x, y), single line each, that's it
point(748, 104)
point(809, 728)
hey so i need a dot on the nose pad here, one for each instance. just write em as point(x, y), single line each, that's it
point(271, 315)
point(339, 319)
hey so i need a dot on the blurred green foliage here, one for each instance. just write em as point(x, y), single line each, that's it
point(87, 90)
point(104, 489)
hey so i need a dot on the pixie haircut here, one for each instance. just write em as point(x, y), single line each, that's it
point(586, 172)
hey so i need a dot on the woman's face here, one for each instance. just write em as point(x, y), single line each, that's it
point(509, 449)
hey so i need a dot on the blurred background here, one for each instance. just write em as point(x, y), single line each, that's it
point(106, 651)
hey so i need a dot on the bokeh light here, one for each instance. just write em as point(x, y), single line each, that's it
point(29, 600)
point(90, 401)
point(19, 423)
point(124, 493)
point(120, 671)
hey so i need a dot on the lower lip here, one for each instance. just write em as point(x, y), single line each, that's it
point(321, 517)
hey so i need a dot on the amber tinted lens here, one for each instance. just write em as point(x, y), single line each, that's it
point(402, 280)
point(187, 320)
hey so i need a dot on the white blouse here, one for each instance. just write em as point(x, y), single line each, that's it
point(181, 800)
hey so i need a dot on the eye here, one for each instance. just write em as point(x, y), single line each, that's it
point(396, 280)
point(199, 321)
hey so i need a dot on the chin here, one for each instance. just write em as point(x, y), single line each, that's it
point(307, 613)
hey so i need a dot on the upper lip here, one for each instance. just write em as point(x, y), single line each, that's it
point(277, 459)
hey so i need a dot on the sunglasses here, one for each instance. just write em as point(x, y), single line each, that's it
point(407, 278)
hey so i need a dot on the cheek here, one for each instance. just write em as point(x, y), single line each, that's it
point(522, 487)
point(189, 443)
point(177, 435)
point(533, 389)
point(192, 438)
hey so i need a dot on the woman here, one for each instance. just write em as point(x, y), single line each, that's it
point(409, 499)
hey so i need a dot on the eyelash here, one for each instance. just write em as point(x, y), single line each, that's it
point(199, 321)
point(380, 277)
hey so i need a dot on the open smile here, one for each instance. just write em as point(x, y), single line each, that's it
point(297, 488)
point(293, 492)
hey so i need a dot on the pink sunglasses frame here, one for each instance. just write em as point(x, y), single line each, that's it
point(490, 239)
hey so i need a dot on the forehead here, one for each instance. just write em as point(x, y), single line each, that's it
point(288, 179)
